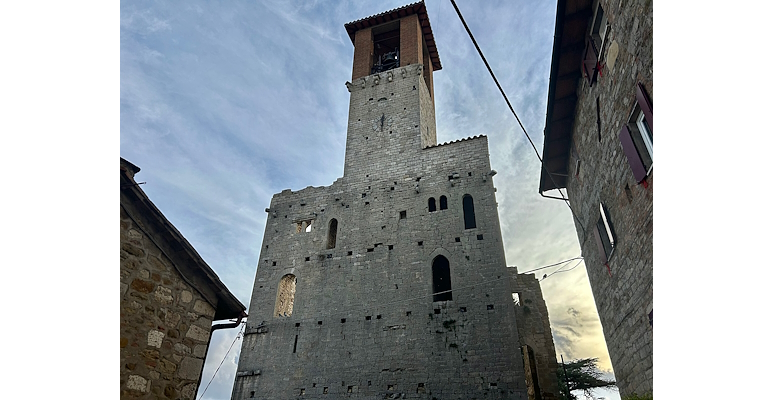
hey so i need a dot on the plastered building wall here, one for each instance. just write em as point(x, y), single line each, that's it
point(623, 294)
point(364, 323)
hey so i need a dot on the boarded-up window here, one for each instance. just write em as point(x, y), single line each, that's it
point(285, 296)
point(443, 203)
point(331, 239)
point(469, 212)
point(431, 204)
point(441, 279)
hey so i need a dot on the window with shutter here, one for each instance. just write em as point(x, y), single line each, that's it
point(637, 136)
point(589, 63)
point(604, 234)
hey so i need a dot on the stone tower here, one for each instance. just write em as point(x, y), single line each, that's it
point(391, 282)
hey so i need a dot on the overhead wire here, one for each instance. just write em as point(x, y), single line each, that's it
point(238, 336)
point(477, 47)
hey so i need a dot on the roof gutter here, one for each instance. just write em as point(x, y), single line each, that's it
point(555, 67)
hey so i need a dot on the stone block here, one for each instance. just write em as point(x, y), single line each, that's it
point(190, 368)
point(138, 383)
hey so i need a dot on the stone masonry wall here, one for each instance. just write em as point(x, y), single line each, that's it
point(164, 323)
point(534, 330)
point(387, 113)
point(624, 294)
point(364, 323)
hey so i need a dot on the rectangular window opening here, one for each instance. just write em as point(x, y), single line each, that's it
point(342, 320)
point(516, 298)
point(479, 237)
point(458, 240)
point(294, 349)
point(379, 316)
point(403, 215)
point(436, 311)
point(350, 253)
point(462, 309)
point(390, 247)
point(368, 317)
point(489, 307)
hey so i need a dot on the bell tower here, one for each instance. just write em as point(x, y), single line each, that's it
point(392, 109)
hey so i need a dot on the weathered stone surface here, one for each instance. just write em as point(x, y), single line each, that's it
point(139, 383)
point(155, 338)
point(200, 350)
point(204, 308)
point(197, 333)
point(623, 286)
point(373, 243)
point(153, 324)
point(190, 368)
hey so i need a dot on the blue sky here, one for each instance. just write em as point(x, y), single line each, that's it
point(223, 104)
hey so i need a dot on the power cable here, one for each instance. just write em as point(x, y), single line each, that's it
point(558, 270)
point(474, 42)
point(241, 331)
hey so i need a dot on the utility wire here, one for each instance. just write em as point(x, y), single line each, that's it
point(558, 270)
point(241, 331)
point(453, 2)
point(551, 265)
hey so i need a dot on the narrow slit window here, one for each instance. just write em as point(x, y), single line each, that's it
point(606, 242)
point(443, 203)
point(469, 212)
point(331, 239)
point(441, 279)
point(285, 296)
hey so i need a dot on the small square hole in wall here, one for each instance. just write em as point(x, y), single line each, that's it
point(369, 250)
point(350, 253)
point(326, 389)
point(403, 214)
point(390, 247)
point(363, 194)
point(328, 256)
point(367, 203)
point(342, 320)
point(320, 322)
point(369, 383)
point(469, 173)
point(274, 263)
point(437, 311)
point(462, 309)
point(489, 307)
point(389, 387)
point(420, 243)
point(368, 317)
point(408, 313)
point(480, 237)
point(302, 392)
point(458, 240)
point(307, 258)
point(379, 316)
point(350, 389)
point(391, 187)
point(252, 394)
point(314, 385)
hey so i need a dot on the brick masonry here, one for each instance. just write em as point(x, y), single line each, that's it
point(623, 296)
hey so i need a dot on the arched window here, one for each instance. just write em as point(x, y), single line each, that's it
point(441, 279)
point(331, 239)
point(285, 296)
point(431, 204)
point(443, 203)
point(469, 212)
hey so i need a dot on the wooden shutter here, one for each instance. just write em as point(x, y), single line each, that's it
point(589, 62)
point(645, 104)
point(630, 149)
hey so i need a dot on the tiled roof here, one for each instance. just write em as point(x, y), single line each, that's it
point(398, 13)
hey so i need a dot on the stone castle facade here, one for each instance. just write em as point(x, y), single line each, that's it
point(391, 282)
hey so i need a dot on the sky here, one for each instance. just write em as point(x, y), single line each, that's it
point(223, 104)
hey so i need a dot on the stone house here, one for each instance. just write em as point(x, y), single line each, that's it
point(169, 298)
point(391, 282)
point(598, 145)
